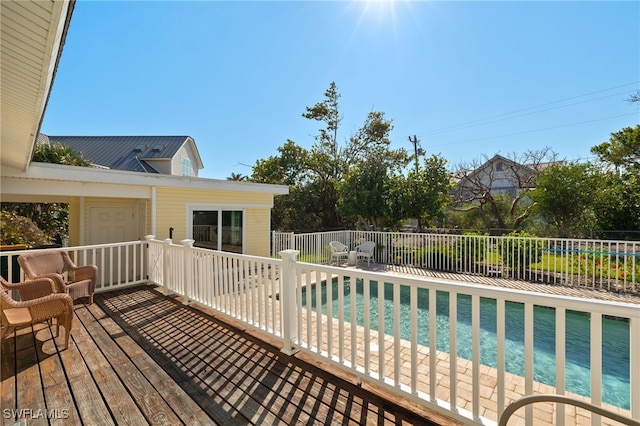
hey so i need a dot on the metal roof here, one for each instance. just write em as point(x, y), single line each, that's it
point(125, 152)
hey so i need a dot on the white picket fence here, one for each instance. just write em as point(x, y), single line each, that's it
point(374, 325)
point(595, 264)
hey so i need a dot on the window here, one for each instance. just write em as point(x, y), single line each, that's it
point(208, 233)
point(185, 167)
point(499, 166)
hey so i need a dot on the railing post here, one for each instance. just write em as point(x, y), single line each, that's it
point(188, 269)
point(288, 300)
point(165, 266)
point(273, 243)
point(147, 253)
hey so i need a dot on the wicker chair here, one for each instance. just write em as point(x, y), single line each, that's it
point(338, 250)
point(39, 303)
point(54, 264)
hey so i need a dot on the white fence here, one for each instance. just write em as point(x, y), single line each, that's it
point(119, 264)
point(596, 264)
point(447, 346)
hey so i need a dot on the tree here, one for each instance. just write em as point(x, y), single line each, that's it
point(315, 175)
point(58, 153)
point(51, 218)
point(426, 190)
point(617, 203)
point(363, 200)
point(622, 151)
point(295, 210)
point(238, 177)
point(480, 183)
point(563, 195)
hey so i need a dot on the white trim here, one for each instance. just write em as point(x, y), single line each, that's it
point(218, 208)
point(227, 206)
point(120, 179)
point(82, 233)
point(154, 209)
point(16, 186)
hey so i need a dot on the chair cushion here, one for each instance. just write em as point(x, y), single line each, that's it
point(17, 316)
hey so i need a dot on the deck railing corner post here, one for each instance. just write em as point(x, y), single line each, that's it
point(166, 266)
point(188, 284)
point(288, 300)
point(147, 257)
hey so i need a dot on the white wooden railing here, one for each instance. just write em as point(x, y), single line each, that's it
point(243, 287)
point(595, 264)
point(119, 264)
point(278, 297)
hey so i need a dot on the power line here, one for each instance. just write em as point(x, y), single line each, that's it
point(478, 123)
point(535, 130)
point(505, 116)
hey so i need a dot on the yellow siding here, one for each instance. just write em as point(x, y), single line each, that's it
point(171, 204)
point(257, 232)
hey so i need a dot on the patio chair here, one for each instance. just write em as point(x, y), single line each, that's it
point(365, 251)
point(338, 250)
point(76, 281)
point(39, 304)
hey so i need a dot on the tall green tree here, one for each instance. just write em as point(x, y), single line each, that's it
point(363, 200)
point(621, 151)
point(315, 175)
point(563, 196)
point(426, 191)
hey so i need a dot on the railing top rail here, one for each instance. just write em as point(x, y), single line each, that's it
point(73, 248)
point(626, 310)
point(399, 233)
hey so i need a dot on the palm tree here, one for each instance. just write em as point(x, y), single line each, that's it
point(238, 177)
point(58, 153)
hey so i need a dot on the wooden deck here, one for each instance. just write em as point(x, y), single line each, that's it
point(137, 357)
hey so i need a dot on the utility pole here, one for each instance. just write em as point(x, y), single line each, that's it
point(418, 151)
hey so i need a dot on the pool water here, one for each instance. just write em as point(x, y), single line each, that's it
point(615, 345)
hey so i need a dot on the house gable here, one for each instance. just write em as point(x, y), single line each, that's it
point(497, 175)
point(145, 154)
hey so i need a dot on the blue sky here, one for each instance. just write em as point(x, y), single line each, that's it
point(467, 78)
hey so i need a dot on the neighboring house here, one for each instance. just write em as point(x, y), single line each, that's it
point(108, 205)
point(170, 155)
point(498, 175)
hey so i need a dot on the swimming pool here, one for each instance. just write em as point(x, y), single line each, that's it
point(615, 345)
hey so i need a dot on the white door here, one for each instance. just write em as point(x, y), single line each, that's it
point(113, 224)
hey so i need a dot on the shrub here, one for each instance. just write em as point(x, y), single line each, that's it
point(471, 245)
point(519, 249)
point(16, 229)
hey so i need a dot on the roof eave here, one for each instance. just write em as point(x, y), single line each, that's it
point(118, 177)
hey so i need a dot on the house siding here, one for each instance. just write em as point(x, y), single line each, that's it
point(258, 232)
point(184, 152)
point(172, 205)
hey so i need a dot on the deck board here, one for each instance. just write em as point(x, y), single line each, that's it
point(137, 357)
